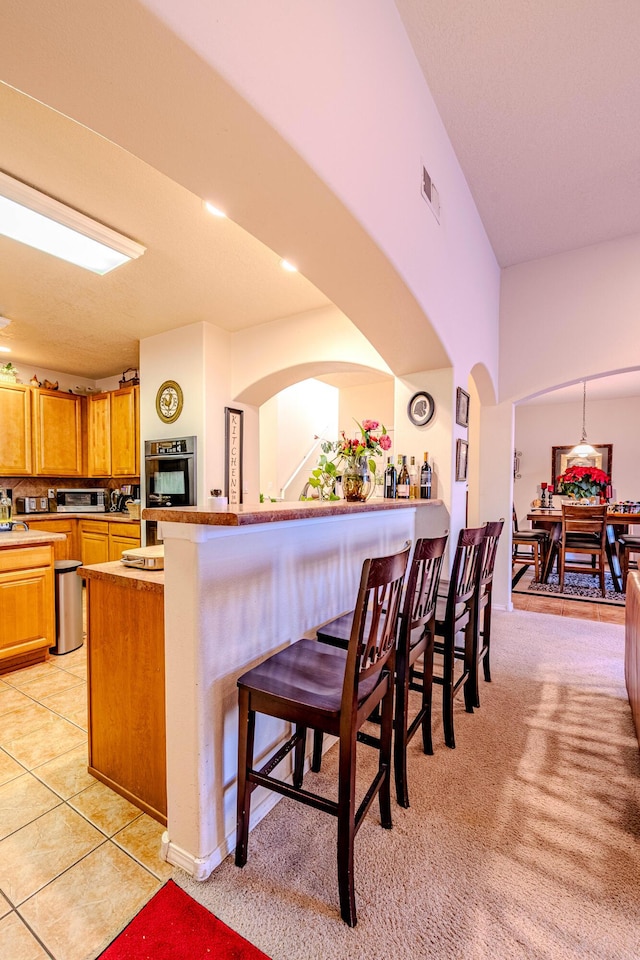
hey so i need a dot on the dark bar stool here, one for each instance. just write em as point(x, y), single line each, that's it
point(310, 684)
point(456, 617)
point(528, 546)
point(484, 593)
point(415, 640)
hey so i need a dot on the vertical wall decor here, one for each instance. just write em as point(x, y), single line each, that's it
point(233, 454)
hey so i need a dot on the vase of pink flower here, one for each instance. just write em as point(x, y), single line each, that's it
point(358, 458)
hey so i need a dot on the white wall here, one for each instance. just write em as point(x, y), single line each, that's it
point(538, 427)
point(289, 422)
point(568, 317)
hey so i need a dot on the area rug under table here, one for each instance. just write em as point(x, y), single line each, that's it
point(577, 586)
point(173, 926)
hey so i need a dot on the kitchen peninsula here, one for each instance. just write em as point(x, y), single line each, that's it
point(240, 585)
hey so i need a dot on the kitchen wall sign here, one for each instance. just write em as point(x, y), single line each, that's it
point(233, 455)
point(169, 401)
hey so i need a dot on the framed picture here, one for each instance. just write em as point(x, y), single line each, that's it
point(421, 408)
point(233, 424)
point(462, 407)
point(462, 459)
point(561, 459)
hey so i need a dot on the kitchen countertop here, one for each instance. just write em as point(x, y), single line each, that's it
point(275, 512)
point(114, 571)
point(28, 538)
point(54, 515)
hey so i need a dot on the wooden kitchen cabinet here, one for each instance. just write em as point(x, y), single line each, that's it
point(94, 541)
point(15, 432)
point(68, 549)
point(27, 602)
point(57, 433)
point(113, 433)
point(122, 536)
point(125, 457)
point(99, 435)
point(126, 686)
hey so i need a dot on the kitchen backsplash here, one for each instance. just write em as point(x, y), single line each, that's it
point(39, 486)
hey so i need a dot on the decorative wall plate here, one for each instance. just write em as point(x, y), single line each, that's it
point(421, 408)
point(169, 401)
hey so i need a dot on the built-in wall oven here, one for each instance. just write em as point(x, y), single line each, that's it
point(170, 477)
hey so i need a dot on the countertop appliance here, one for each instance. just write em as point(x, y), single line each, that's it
point(146, 558)
point(80, 501)
point(32, 505)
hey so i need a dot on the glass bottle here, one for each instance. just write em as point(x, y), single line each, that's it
point(414, 480)
point(390, 479)
point(425, 479)
point(404, 481)
point(5, 507)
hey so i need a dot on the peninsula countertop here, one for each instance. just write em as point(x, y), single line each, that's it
point(28, 538)
point(117, 572)
point(246, 514)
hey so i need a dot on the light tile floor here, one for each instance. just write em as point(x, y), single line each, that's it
point(77, 861)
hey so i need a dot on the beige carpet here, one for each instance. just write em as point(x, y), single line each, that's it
point(524, 842)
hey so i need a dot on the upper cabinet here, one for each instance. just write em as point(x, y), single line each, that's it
point(15, 432)
point(57, 434)
point(113, 434)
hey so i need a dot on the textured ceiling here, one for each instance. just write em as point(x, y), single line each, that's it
point(542, 104)
point(196, 267)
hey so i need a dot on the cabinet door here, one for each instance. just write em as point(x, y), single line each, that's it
point(15, 434)
point(124, 432)
point(99, 435)
point(62, 549)
point(27, 623)
point(94, 541)
point(122, 536)
point(57, 421)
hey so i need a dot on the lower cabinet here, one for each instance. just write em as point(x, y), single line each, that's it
point(122, 536)
point(27, 602)
point(126, 687)
point(94, 541)
point(63, 549)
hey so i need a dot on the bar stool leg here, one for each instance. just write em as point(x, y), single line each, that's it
point(245, 760)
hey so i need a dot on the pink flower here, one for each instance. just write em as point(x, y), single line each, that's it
point(368, 425)
point(385, 441)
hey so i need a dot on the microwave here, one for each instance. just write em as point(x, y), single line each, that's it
point(80, 501)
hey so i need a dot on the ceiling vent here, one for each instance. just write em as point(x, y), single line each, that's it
point(430, 193)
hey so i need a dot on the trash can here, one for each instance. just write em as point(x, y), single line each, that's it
point(68, 607)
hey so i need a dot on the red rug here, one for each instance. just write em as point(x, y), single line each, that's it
point(173, 926)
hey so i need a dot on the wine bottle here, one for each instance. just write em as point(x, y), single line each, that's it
point(390, 479)
point(425, 479)
point(414, 480)
point(404, 482)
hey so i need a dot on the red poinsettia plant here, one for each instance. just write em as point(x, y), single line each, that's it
point(583, 482)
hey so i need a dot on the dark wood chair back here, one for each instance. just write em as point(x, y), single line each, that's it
point(584, 531)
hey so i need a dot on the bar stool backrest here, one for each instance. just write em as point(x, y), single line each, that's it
point(466, 569)
point(373, 633)
point(421, 594)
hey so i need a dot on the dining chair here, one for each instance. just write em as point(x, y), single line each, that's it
point(628, 544)
point(314, 685)
point(455, 618)
point(414, 641)
point(584, 532)
point(528, 546)
point(483, 603)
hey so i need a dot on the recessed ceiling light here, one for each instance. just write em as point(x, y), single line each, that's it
point(5, 349)
point(40, 221)
point(288, 266)
point(216, 211)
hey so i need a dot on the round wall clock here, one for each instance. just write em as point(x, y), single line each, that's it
point(169, 401)
point(421, 408)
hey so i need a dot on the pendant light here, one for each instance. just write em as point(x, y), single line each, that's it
point(583, 449)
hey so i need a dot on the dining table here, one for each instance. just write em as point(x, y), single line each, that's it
point(550, 519)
